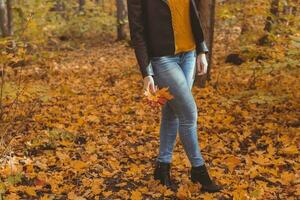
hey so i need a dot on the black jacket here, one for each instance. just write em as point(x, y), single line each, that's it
point(151, 30)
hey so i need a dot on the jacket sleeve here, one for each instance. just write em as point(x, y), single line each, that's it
point(137, 34)
point(201, 46)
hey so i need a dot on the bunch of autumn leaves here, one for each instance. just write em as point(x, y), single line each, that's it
point(159, 98)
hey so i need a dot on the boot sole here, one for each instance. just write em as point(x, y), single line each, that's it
point(157, 178)
point(205, 190)
point(210, 191)
point(194, 181)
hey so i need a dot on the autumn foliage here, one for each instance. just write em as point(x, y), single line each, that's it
point(159, 98)
point(75, 123)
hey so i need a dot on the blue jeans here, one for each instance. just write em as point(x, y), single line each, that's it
point(177, 72)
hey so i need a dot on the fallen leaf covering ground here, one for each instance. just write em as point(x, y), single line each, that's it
point(90, 136)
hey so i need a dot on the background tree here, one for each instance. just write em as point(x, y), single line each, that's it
point(6, 18)
point(271, 20)
point(274, 14)
point(10, 16)
point(3, 18)
point(55, 120)
point(207, 18)
point(81, 5)
point(121, 19)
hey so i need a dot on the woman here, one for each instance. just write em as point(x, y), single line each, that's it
point(169, 45)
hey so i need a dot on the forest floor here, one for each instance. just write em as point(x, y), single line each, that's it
point(89, 135)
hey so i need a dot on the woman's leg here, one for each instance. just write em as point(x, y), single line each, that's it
point(168, 132)
point(168, 73)
point(188, 66)
point(169, 123)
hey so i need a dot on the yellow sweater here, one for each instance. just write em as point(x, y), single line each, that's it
point(183, 35)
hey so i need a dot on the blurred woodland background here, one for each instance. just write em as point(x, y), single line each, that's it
point(73, 124)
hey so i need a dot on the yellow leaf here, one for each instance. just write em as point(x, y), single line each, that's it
point(45, 197)
point(73, 196)
point(96, 186)
point(290, 150)
point(62, 156)
point(261, 160)
point(121, 184)
point(106, 173)
point(123, 194)
point(29, 168)
point(107, 194)
point(66, 143)
point(93, 118)
point(231, 162)
point(78, 165)
point(168, 192)
point(30, 191)
point(287, 178)
point(164, 92)
point(271, 149)
point(136, 195)
point(12, 196)
point(183, 193)
point(240, 194)
point(208, 196)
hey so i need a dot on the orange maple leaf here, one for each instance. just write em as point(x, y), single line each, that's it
point(159, 98)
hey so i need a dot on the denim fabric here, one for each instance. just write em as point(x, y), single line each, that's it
point(177, 72)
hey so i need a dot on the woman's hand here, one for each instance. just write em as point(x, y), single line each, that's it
point(149, 84)
point(201, 64)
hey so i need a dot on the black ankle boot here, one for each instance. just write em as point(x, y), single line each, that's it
point(162, 173)
point(200, 175)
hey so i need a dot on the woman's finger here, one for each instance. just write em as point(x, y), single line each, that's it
point(152, 88)
point(146, 87)
point(200, 68)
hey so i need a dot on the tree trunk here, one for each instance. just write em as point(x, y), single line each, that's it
point(271, 19)
point(207, 17)
point(3, 18)
point(121, 19)
point(288, 10)
point(274, 11)
point(81, 5)
point(10, 17)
